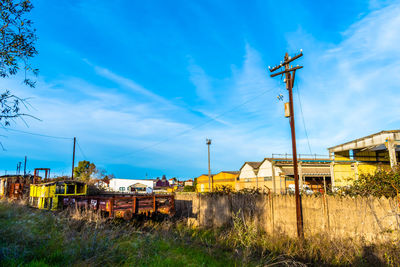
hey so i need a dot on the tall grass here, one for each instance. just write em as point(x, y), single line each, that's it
point(84, 238)
point(43, 238)
point(316, 250)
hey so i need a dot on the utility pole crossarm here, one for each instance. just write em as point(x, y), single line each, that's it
point(286, 71)
point(286, 62)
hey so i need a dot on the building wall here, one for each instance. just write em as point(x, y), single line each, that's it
point(346, 170)
point(247, 172)
point(346, 173)
point(202, 184)
point(264, 180)
point(225, 179)
point(253, 183)
point(217, 181)
point(265, 174)
point(188, 183)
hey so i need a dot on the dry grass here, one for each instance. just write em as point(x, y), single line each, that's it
point(81, 238)
point(316, 250)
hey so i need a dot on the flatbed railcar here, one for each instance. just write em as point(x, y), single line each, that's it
point(123, 206)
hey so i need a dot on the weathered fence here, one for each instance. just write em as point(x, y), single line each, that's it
point(371, 219)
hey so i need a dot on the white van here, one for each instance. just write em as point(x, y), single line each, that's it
point(306, 189)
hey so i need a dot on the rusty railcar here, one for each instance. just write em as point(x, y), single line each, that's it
point(15, 187)
point(123, 206)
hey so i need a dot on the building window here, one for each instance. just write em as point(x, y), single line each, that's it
point(122, 189)
point(268, 178)
point(202, 188)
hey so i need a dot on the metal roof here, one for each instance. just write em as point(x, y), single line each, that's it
point(138, 185)
point(315, 171)
point(370, 141)
point(254, 164)
point(231, 172)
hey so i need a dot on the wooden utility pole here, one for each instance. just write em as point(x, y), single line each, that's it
point(19, 167)
point(290, 73)
point(25, 166)
point(208, 142)
point(73, 160)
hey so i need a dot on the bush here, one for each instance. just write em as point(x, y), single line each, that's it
point(189, 188)
point(381, 183)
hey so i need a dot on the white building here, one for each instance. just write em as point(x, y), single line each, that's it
point(126, 185)
point(277, 174)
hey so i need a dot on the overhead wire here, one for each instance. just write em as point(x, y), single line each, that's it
point(157, 143)
point(302, 116)
point(37, 134)
point(194, 127)
point(81, 150)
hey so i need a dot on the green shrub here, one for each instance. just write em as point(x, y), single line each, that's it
point(189, 188)
point(381, 183)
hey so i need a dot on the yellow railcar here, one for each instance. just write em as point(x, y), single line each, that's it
point(46, 196)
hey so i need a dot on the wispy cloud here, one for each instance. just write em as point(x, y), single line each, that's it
point(201, 82)
point(128, 83)
point(348, 89)
point(351, 89)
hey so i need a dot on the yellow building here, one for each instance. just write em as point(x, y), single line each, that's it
point(363, 155)
point(218, 181)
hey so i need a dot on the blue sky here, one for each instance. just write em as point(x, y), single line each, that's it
point(142, 84)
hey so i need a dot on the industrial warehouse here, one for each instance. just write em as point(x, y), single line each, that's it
point(368, 154)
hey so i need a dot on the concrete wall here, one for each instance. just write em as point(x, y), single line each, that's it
point(374, 219)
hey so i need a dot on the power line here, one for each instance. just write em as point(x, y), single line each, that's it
point(81, 150)
point(302, 116)
point(196, 126)
point(37, 134)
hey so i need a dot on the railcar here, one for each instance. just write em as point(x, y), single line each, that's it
point(123, 206)
point(58, 195)
point(15, 186)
